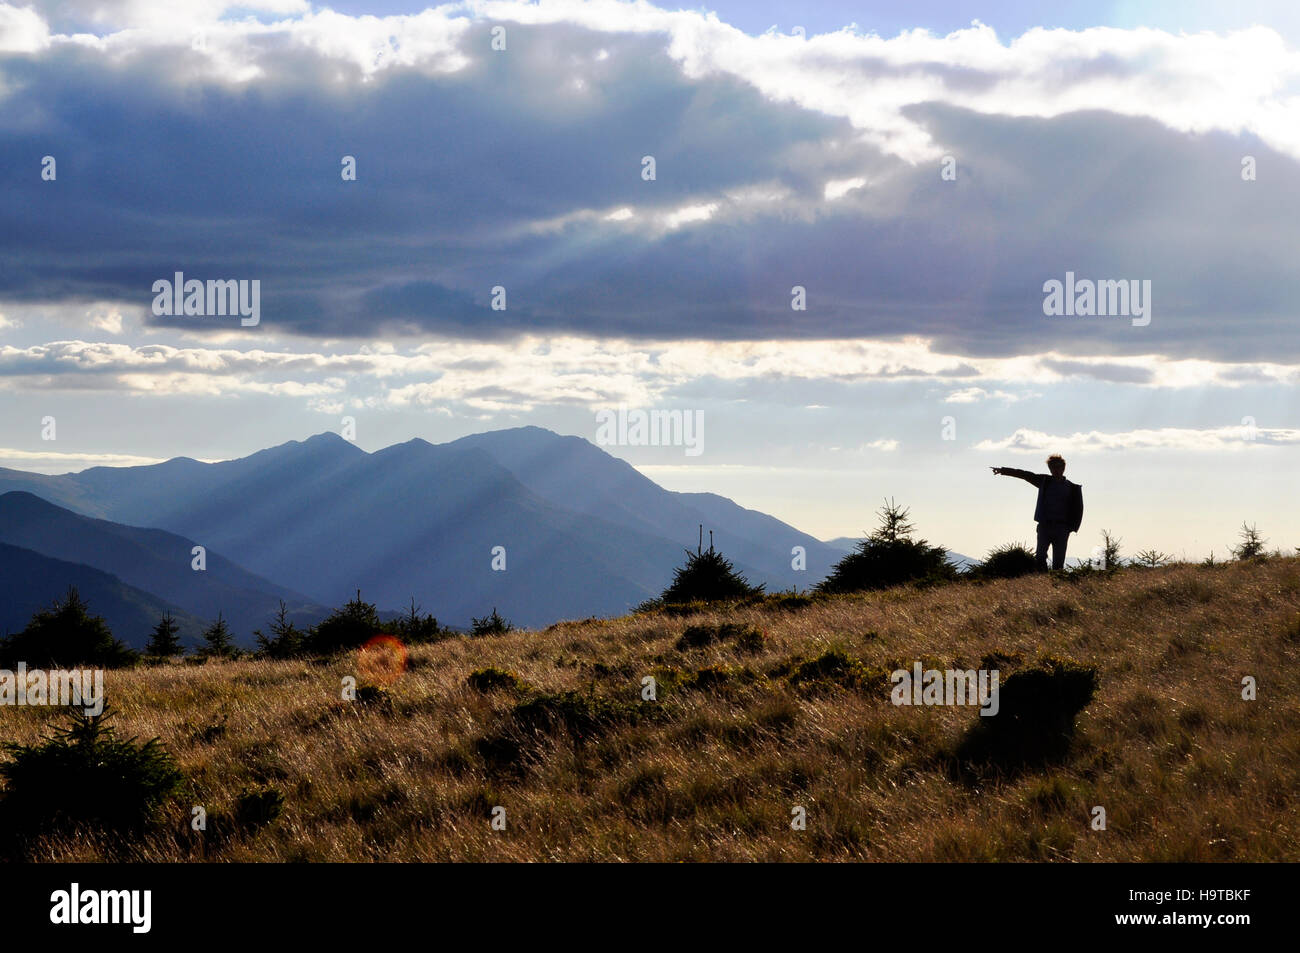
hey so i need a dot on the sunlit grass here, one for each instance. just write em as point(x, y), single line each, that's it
point(587, 770)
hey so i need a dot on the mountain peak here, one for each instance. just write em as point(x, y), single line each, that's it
point(326, 442)
point(327, 438)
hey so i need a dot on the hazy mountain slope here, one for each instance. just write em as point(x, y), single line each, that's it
point(572, 472)
point(30, 582)
point(153, 560)
point(416, 520)
point(584, 532)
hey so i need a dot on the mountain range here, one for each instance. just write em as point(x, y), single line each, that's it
point(580, 532)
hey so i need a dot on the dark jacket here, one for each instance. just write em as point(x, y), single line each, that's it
point(1073, 509)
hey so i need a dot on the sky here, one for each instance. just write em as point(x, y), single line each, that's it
point(841, 262)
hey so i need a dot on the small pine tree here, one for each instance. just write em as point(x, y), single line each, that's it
point(707, 576)
point(1110, 558)
point(413, 628)
point(348, 628)
point(1252, 544)
point(165, 640)
point(889, 557)
point(492, 624)
point(85, 775)
point(217, 640)
point(286, 639)
point(66, 635)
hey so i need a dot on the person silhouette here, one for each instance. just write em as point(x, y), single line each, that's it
point(1059, 510)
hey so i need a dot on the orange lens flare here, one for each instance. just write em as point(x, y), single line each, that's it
point(381, 661)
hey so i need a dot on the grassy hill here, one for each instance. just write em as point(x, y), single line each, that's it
point(750, 726)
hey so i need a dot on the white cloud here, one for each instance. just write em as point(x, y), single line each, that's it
point(22, 30)
point(48, 461)
point(838, 188)
point(690, 213)
point(520, 374)
point(1243, 81)
point(105, 318)
point(1165, 438)
point(971, 395)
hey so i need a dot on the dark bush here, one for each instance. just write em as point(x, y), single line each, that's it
point(66, 635)
point(348, 628)
point(746, 637)
point(1006, 562)
point(492, 624)
point(708, 576)
point(286, 639)
point(573, 712)
point(492, 679)
point(835, 667)
point(414, 628)
point(258, 806)
point(889, 557)
point(85, 775)
point(374, 696)
point(218, 641)
point(1034, 724)
point(165, 640)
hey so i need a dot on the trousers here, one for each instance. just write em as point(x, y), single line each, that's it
point(1056, 535)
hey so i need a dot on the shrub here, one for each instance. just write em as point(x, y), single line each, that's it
point(789, 601)
point(1006, 562)
point(835, 667)
point(85, 775)
point(414, 628)
point(708, 576)
point(889, 557)
point(66, 635)
point(286, 639)
point(746, 637)
point(492, 624)
point(348, 628)
point(258, 806)
point(374, 696)
point(513, 744)
point(1251, 545)
point(1110, 558)
point(1034, 724)
point(492, 679)
point(717, 676)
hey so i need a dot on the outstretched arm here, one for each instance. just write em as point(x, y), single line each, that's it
point(1035, 478)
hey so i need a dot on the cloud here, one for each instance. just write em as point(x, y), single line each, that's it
point(216, 149)
point(971, 395)
point(1165, 439)
point(520, 374)
point(48, 461)
point(22, 30)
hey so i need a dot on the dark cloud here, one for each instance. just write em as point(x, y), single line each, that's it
point(1116, 373)
point(159, 173)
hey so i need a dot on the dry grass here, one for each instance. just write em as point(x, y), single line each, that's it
point(1186, 769)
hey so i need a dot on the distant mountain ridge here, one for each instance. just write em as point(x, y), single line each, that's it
point(583, 532)
point(152, 560)
point(30, 582)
